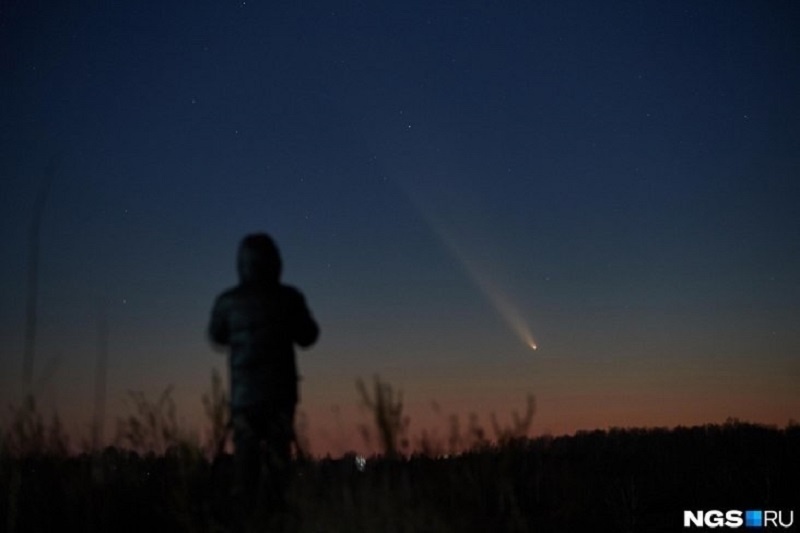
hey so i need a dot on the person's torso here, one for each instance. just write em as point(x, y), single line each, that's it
point(262, 360)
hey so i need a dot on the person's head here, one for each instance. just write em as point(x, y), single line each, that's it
point(259, 260)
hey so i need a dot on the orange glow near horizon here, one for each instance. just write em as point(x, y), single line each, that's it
point(572, 394)
point(337, 431)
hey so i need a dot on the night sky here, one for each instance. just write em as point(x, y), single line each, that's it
point(619, 179)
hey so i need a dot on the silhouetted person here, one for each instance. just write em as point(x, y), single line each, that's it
point(261, 320)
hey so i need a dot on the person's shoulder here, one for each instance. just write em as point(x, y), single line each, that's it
point(291, 293)
point(229, 294)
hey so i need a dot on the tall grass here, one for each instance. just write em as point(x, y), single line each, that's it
point(215, 406)
point(152, 427)
point(386, 407)
point(28, 435)
point(159, 477)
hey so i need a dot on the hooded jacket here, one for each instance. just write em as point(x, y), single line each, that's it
point(261, 320)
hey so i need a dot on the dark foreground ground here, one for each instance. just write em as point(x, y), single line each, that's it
point(621, 481)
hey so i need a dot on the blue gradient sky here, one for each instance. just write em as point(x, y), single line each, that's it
point(625, 175)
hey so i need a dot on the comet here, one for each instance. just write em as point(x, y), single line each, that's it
point(502, 304)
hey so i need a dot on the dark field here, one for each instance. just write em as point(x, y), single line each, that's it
point(620, 480)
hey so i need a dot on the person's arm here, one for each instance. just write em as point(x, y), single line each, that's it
point(305, 330)
point(218, 328)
